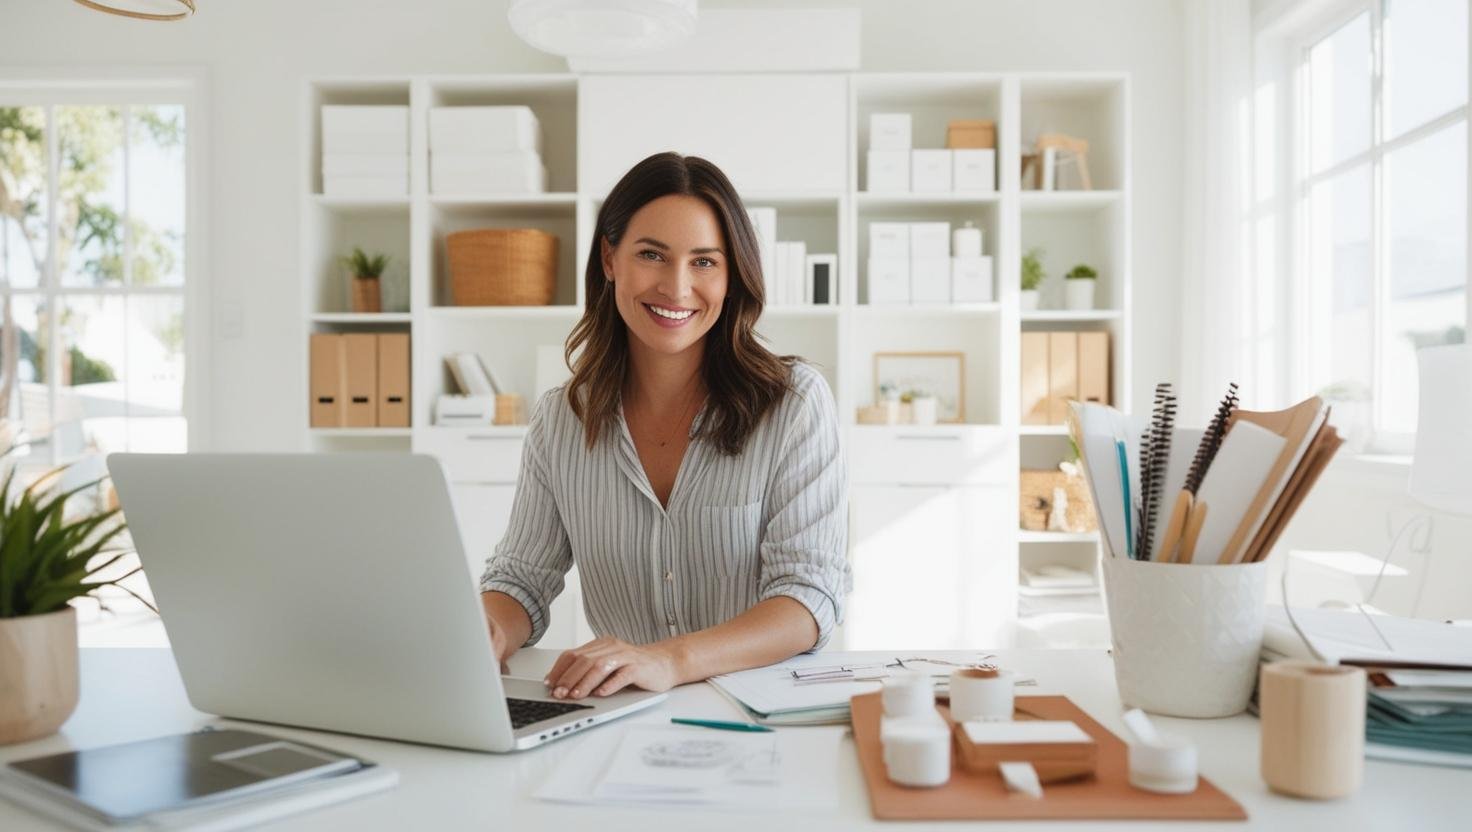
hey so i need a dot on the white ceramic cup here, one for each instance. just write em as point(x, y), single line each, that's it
point(908, 694)
point(918, 753)
point(981, 694)
point(1168, 767)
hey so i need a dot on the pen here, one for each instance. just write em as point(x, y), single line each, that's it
point(1124, 483)
point(721, 725)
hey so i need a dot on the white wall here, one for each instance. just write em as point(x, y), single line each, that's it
point(258, 52)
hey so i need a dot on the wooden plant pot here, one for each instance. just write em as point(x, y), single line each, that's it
point(38, 674)
point(367, 296)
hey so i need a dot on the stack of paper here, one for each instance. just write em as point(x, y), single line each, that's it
point(485, 150)
point(365, 151)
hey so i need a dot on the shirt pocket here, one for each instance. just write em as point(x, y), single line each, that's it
point(730, 538)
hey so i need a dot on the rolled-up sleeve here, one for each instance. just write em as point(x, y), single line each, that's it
point(804, 553)
point(532, 559)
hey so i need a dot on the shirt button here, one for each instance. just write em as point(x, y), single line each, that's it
point(669, 576)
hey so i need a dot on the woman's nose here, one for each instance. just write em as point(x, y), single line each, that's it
point(675, 285)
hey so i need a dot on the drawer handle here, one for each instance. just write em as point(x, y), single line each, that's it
point(482, 437)
point(921, 437)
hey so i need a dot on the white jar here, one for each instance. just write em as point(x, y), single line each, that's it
point(981, 694)
point(918, 753)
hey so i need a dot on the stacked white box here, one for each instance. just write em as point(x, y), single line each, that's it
point(889, 280)
point(889, 171)
point(974, 170)
point(485, 150)
point(930, 280)
point(971, 280)
point(365, 150)
point(930, 239)
point(930, 171)
point(889, 240)
point(889, 131)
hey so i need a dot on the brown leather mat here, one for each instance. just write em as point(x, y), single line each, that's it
point(972, 796)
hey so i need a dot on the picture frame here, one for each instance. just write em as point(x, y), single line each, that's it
point(943, 374)
point(821, 285)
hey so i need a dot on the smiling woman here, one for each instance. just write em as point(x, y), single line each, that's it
point(693, 476)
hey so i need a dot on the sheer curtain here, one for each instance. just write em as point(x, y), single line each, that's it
point(1217, 243)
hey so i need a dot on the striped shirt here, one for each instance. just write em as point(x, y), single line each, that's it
point(769, 521)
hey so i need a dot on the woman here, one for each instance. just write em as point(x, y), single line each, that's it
point(694, 477)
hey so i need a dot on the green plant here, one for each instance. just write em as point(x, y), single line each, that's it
point(47, 558)
point(1032, 269)
point(362, 265)
point(1082, 272)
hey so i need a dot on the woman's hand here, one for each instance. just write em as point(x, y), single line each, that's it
point(607, 665)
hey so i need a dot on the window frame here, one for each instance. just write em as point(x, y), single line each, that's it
point(1297, 180)
point(186, 87)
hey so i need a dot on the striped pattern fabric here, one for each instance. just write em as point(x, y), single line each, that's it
point(770, 521)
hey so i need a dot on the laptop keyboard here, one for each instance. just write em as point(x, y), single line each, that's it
point(526, 711)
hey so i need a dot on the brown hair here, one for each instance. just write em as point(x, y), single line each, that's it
point(744, 379)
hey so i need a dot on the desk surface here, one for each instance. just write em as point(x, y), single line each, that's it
point(130, 694)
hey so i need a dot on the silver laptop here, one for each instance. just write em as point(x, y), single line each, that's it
point(332, 591)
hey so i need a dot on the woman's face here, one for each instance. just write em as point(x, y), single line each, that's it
point(669, 273)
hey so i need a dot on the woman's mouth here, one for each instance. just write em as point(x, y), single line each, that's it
point(669, 316)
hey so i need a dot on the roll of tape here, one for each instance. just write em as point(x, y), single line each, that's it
point(981, 694)
point(1167, 766)
point(1313, 728)
point(908, 694)
point(918, 753)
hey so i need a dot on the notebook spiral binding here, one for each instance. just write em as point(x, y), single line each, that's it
point(1211, 441)
point(1154, 455)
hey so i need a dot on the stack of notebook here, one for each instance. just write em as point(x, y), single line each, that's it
point(1219, 495)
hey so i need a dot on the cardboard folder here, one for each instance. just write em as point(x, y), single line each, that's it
point(1093, 367)
point(327, 382)
point(1034, 378)
point(361, 352)
point(1062, 374)
point(393, 380)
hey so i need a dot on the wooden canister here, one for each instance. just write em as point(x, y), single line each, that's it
point(1313, 728)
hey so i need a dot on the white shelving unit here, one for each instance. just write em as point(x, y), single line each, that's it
point(955, 485)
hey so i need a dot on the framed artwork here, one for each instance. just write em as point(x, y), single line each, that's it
point(941, 374)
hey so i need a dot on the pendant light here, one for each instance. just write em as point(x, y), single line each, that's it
point(602, 28)
point(143, 9)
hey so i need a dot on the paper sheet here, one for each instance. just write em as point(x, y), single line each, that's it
point(1237, 472)
point(768, 690)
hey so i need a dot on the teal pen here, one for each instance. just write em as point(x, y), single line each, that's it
point(721, 725)
point(1124, 484)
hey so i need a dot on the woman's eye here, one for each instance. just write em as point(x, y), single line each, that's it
point(653, 255)
point(705, 262)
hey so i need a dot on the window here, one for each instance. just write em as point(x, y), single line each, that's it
point(94, 274)
point(1381, 182)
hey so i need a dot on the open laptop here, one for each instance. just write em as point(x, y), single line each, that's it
point(331, 591)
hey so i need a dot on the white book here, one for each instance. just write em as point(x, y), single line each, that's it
point(797, 256)
point(781, 261)
point(764, 224)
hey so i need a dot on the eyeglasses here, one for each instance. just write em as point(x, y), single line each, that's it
point(875, 672)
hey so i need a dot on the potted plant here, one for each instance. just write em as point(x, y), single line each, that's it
point(1032, 278)
point(1078, 287)
point(365, 271)
point(48, 556)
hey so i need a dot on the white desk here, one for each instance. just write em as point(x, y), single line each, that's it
point(135, 693)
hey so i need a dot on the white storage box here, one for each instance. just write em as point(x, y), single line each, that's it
point(930, 239)
point(365, 129)
point(930, 280)
point(971, 280)
point(888, 172)
point(889, 280)
point(464, 410)
point(889, 240)
point(484, 129)
point(367, 186)
point(889, 131)
point(385, 165)
point(930, 171)
point(974, 171)
point(478, 173)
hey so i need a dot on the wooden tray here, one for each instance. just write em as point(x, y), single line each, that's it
point(976, 796)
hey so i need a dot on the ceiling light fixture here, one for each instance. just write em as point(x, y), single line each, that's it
point(602, 28)
point(143, 9)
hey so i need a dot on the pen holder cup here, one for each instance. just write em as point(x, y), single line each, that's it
point(1186, 637)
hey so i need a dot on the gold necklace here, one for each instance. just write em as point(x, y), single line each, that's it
point(684, 416)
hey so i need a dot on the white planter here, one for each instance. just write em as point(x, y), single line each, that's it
point(924, 409)
point(1029, 300)
point(1078, 293)
point(1186, 636)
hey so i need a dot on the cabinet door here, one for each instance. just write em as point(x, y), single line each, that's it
point(934, 568)
point(484, 512)
point(766, 132)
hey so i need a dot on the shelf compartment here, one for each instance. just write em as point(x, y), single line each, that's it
point(331, 228)
point(553, 98)
point(1089, 108)
point(559, 219)
point(932, 100)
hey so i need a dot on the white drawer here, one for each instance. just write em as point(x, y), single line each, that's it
point(475, 455)
point(932, 455)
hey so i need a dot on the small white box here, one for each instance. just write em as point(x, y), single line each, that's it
point(365, 164)
point(366, 186)
point(889, 131)
point(930, 280)
point(359, 129)
point(464, 410)
point(889, 241)
point(930, 171)
point(472, 173)
point(929, 239)
point(484, 129)
point(889, 280)
point(974, 171)
point(971, 280)
point(889, 171)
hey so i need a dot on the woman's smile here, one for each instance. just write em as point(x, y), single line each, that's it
point(669, 316)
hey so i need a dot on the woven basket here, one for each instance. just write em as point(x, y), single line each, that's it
point(1037, 500)
point(502, 267)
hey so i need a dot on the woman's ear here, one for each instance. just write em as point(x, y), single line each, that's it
point(606, 255)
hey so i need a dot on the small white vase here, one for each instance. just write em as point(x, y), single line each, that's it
point(1029, 300)
point(924, 410)
point(1078, 293)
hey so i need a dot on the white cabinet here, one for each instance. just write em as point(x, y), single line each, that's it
point(911, 455)
point(934, 568)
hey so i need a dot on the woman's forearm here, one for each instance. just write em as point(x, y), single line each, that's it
point(509, 622)
point(772, 631)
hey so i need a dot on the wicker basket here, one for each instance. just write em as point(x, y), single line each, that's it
point(1037, 500)
point(502, 267)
